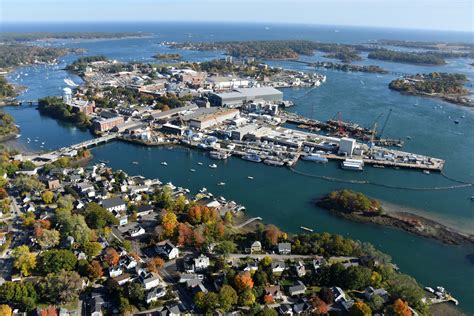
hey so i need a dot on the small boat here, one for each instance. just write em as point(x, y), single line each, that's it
point(221, 183)
point(42, 143)
point(250, 177)
point(472, 198)
point(426, 171)
point(200, 163)
point(408, 137)
point(456, 122)
point(36, 140)
point(164, 163)
point(379, 166)
point(103, 161)
point(192, 170)
point(213, 166)
point(18, 136)
point(135, 162)
point(203, 190)
point(307, 229)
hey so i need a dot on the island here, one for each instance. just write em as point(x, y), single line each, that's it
point(168, 56)
point(419, 58)
point(22, 37)
point(143, 246)
point(358, 207)
point(446, 86)
point(278, 49)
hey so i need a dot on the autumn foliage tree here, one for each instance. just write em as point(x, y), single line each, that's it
point(154, 264)
point(320, 307)
point(399, 308)
point(5, 310)
point(200, 214)
point(169, 221)
point(94, 270)
point(243, 281)
point(111, 256)
point(360, 309)
point(272, 234)
point(268, 299)
point(49, 311)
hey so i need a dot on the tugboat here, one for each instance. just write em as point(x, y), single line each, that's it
point(252, 157)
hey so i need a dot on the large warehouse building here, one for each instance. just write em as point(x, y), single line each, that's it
point(240, 96)
point(215, 117)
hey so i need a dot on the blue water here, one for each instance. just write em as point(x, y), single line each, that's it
point(277, 194)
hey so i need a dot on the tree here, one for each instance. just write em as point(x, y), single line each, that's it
point(185, 234)
point(247, 298)
point(25, 261)
point(226, 247)
point(320, 307)
point(21, 295)
point(227, 297)
point(200, 300)
point(5, 310)
point(243, 281)
point(360, 309)
point(53, 261)
point(48, 238)
point(65, 202)
point(47, 197)
point(228, 217)
point(406, 288)
point(111, 257)
point(169, 221)
point(267, 311)
point(356, 277)
point(266, 261)
point(98, 217)
point(73, 225)
point(272, 234)
point(49, 311)
point(399, 308)
point(154, 264)
point(94, 270)
point(376, 303)
point(92, 249)
point(268, 299)
point(135, 292)
point(62, 287)
point(327, 295)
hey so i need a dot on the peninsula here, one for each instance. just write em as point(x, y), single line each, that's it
point(358, 207)
point(446, 86)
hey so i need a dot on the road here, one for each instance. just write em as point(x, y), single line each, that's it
point(273, 256)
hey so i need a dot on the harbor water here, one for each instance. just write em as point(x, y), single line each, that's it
point(278, 195)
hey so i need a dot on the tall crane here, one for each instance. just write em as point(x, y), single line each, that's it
point(385, 123)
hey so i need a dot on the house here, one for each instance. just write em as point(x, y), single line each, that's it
point(138, 231)
point(123, 220)
point(96, 305)
point(114, 204)
point(196, 285)
point(167, 249)
point(185, 277)
point(300, 269)
point(144, 210)
point(275, 291)
point(123, 279)
point(278, 266)
point(154, 294)
point(318, 262)
point(256, 247)
point(284, 248)
point(201, 263)
point(339, 294)
point(53, 184)
point(298, 289)
point(302, 307)
point(285, 309)
point(251, 266)
point(150, 280)
point(370, 292)
point(128, 262)
point(115, 271)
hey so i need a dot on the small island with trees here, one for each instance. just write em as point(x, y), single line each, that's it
point(418, 58)
point(169, 56)
point(358, 207)
point(446, 86)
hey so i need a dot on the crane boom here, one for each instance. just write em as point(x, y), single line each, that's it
point(385, 123)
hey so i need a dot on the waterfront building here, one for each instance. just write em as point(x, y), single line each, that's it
point(241, 96)
point(83, 106)
point(227, 83)
point(103, 125)
point(216, 117)
point(67, 95)
point(346, 146)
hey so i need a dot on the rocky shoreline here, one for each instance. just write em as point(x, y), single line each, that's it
point(409, 222)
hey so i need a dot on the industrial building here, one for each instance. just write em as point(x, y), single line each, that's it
point(103, 125)
point(239, 97)
point(346, 146)
point(210, 119)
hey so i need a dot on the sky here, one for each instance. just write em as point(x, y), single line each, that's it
point(449, 15)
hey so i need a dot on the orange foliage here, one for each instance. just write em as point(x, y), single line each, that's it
point(198, 239)
point(220, 229)
point(199, 214)
point(44, 223)
point(49, 311)
point(111, 256)
point(95, 270)
point(243, 281)
point(320, 306)
point(400, 308)
point(268, 299)
point(272, 233)
point(38, 231)
point(154, 264)
point(185, 235)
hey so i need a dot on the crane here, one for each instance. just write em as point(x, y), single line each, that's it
point(385, 123)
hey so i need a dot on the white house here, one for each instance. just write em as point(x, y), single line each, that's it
point(138, 231)
point(167, 249)
point(201, 263)
point(114, 204)
point(150, 280)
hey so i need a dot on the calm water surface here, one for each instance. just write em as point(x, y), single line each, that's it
point(277, 194)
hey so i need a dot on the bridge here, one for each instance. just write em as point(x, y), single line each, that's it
point(41, 159)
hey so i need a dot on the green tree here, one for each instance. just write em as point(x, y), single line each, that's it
point(92, 249)
point(227, 297)
point(62, 287)
point(226, 247)
point(53, 261)
point(98, 217)
point(48, 238)
point(407, 289)
point(73, 225)
point(24, 260)
point(21, 295)
point(47, 197)
point(360, 309)
point(247, 298)
point(267, 311)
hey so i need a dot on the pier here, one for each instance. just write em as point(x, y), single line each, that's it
point(251, 220)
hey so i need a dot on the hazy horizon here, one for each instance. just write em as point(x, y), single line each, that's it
point(435, 15)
